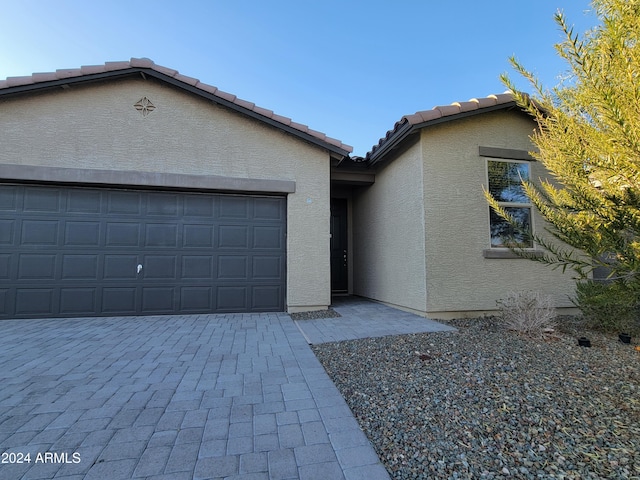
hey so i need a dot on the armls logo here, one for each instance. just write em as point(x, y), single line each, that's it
point(54, 457)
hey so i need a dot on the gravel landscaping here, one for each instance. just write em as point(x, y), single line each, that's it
point(485, 402)
point(315, 314)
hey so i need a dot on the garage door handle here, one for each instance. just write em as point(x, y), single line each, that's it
point(139, 267)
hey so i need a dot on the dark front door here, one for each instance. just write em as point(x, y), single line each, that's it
point(68, 252)
point(339, 253)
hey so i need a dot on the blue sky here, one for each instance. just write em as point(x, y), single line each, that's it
point(348, 68)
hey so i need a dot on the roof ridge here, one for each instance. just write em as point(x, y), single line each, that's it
point(61, 74)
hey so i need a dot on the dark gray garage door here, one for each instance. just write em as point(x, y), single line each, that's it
point(88, 251)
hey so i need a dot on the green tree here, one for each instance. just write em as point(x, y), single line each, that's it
point(588, 138)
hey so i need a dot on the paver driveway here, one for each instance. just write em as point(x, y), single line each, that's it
point(175, 397)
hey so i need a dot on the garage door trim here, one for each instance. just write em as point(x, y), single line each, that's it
point(87, 176)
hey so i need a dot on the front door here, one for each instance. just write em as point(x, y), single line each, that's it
point(339, 254)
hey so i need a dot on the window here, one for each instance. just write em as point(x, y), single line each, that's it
point(505, 184)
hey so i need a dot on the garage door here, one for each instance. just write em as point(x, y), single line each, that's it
point(88, 251)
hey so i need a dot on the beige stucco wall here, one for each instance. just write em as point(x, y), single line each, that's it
point(459, 278)
point(388, 235)
point(97, 127)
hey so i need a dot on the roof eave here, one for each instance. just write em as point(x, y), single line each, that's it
point(391, 143)
point(408, 129)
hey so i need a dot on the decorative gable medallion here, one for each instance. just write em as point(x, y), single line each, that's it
point(144, 106)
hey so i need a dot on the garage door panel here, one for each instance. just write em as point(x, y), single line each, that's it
point(36, 266)
point(79, 300)
point(82, 233)
point(161, 235)
point(198, 206)
point(196, 267)
point(119, 300)
point(84, 201)
point(73, 251)
point(234, 207)
point(124, 203)
point(196, 299)
point(6, 307)
point(9, 198)
point(119, 234)
point(268, 209)
point(79, 267)
point(265, 297)
point(233, 236)
point(268, 237)
point(162, 204)
point(7, 227)
point(159, 267)
point(267, 267)
point(120, 267)
point(42, 200)
point(158, 299)
point(30, 301)
point(233, 267)
point(197, 236)
point(231, 298)
point(39, 232)
point(5, 265)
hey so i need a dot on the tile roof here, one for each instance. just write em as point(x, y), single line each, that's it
point(438, 114)
point(11, 83)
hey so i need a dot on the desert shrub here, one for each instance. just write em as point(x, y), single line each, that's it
point(527, 312)
point(608, 306)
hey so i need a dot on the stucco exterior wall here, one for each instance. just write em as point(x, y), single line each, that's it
point(388, 224)
point(97, 127)
point(459, 279)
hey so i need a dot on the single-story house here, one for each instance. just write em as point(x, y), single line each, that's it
point(130, 189)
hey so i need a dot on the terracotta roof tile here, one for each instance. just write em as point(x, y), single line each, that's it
point(263, 111)
point(185, 79)
point(170, 72)
point(441, 111)
point(505, 97)
point(299, 126)
point(447, 110)
point(427, 115)
point(281, 119)
point(14, 81)
point(68, 73)
point(141, 62)
point(89, 69)
point(316, 133)
point(245, 104)
point(207, 88)
point(111, 66)
point(467, 106)
point(44, 77)
point(226, 96)
point(149, 64)
point(488, 101)
point(415, 118)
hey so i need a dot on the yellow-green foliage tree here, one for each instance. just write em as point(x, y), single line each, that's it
point(588, 138)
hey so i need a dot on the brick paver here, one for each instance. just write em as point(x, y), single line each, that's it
point(180, 397)
point(361, 318)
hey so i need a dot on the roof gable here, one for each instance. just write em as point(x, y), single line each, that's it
point(145, 67)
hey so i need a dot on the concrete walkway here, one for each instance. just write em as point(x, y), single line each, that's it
point(361, 318)
point(179, 397)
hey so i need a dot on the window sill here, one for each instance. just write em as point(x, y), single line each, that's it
point(499, 253)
